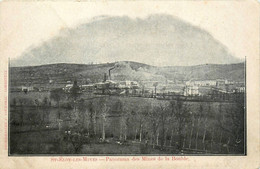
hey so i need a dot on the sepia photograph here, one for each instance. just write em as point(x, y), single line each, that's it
point(129, 84)
point(123, 85)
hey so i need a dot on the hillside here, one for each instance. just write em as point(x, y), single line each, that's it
point(61, 73)
point(234, 72)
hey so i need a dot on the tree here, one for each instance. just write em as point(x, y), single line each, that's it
point(101, 110)
point(14, 102)
point(182, 116)
point(199, 115)
point(164, 117)
point(153, 118)
point(82, 115)
point(46, 112)
point(163, 90)
point(155, 84)
point(206, 125)
point(75, 91)
point(192, 128)
point(104, 109)
point(45, 102)
point(21, 112)
point(125, 120)
point(72, 140)
point(75, 135)
point(92, 113)
point(232, 123)
point(141, 114)
point(57, 95)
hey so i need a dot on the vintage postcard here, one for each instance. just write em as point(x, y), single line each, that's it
point(129, 84)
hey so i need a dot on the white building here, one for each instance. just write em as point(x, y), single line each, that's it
point(240, 89)
point(128, 84)
point(87, 87)
point(25, 88)
point(191, 91)
point(68, 87)
point(201, 83)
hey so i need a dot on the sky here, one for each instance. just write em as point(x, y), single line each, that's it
point(26, 25)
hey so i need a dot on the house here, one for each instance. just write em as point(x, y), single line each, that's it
point(111, 84)
point(239, 89)
point(124, 84)
point(100, 85)
point(134, 85)
point(128, 84)
point(205, 91)
point(42, 89)
point(89, 87)
point(229, 82)
point(15, 89)
point(68, 87)
point(27, 88)
point(221, 82)
point(191, 91)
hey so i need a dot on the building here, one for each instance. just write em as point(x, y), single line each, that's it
point(134, 85)
point(100, 85)
point(239, 90)
point(191, 91)
point(27, 88)
point(111, 84)
point(128, 84)
point(89, 87)
point(68, 87)
point(221, 82)
point(201, 83)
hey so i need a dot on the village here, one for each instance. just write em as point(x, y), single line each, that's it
point(130, 79)
point(221, 89)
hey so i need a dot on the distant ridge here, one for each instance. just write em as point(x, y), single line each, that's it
point(126, 70)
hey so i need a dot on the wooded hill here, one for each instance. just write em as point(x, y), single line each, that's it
point(126, 70)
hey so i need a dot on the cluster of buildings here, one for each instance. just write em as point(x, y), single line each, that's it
point(217, 82)
point(207, 87)
point(106, 85)
point(153, 88)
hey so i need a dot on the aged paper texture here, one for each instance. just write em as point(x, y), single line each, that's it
point(129, 84)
